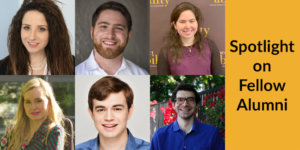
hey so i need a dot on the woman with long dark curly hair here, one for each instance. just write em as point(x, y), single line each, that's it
point(38, 41)
point(186, 51)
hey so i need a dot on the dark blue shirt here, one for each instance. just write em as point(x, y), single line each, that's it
point(132, 144)
point(201, 137)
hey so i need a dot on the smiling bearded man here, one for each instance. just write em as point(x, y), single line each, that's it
point(110, 32)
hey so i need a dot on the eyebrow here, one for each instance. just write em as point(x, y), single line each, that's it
point(117, 105)
point(30, 25)
point(107, 23)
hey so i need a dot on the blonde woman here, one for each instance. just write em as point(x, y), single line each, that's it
point(38, 120)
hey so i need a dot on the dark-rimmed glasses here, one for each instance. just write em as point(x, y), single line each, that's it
point(189, 100)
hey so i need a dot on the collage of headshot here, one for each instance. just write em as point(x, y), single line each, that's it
point(112, 75)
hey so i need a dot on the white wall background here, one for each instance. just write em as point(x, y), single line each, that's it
point(8, 8)
point(139, 124)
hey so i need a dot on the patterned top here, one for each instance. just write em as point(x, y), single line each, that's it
point(54, 141)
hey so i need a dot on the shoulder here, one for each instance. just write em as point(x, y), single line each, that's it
point(164, 130)
point(207, 128)
point(57, 131)
point(136, 70)
point(141, 144)
point(3, 65)
point(86, 145)
point(81, 68)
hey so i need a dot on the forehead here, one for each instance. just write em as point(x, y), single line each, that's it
point(111, 17)
point(182, 93)
point(187, 14)
point(34, 17)
point(34, 93)
point(111, 100)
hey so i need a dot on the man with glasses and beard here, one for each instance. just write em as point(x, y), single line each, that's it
point(186, 132)
point(110, 32)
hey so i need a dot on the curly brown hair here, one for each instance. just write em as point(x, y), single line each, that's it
point(172, 41)
point(58, 51)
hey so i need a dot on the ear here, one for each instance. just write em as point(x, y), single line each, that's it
point(174, 25)
point(131, 109)
point(92, 31)
point(91, 113)
point(129, 35)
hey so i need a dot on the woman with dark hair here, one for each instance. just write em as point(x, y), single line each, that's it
point(38, 41)
point(185, 50)
point(38, 121)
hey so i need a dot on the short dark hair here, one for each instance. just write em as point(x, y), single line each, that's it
point(111, 5)
point(102, 88)
point(185, 87)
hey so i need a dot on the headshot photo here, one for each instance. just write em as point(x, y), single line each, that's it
point(30, 32)
point(187, 37)
point(187, 112)
point(37, 112)
point(113, 112)
point(112, 37)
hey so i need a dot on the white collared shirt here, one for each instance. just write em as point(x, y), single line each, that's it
point(90, 67)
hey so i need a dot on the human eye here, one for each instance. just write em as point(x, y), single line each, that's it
point(120, 28)
point(26, 27)
point(192, 21)
point(103, 26)
point(182, 21)
point(190, 99)
point(42, 29)
point(27, 102)
point(118, 109)
point(100, 109)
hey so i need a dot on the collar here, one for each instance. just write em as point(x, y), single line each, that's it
point(130, 143)
point(195, 126)
point(93, 65)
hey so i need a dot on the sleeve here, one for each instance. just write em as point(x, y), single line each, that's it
point(162, 63)
point(216, 67)
point(55, 140)
point(218, 143)
point(5, 139)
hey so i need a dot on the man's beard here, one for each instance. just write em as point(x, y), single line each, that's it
point(109, 53)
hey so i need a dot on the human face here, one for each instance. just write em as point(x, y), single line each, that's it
point(186, 25)
point(36, 104)
point(110, 115)
point(34, 32)
point(186, 109)
point(110, 34)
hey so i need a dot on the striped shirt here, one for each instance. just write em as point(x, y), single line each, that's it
point(54, 141)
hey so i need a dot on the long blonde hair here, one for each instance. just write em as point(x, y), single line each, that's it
point(55, 114)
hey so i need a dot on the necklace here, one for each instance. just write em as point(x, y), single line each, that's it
point(41, 66)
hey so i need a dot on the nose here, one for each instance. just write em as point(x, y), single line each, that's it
point(184, 103)
point(33, 106)
point(111, 33)
point(108, 115)
point(32, 35)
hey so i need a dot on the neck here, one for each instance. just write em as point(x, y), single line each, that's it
point(187, 42)
point(37, 58)
point(185, 124)
point(114, 143)
point(110, 66)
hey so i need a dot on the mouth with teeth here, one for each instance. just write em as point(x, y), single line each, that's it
point(109, 126)
point(109, 43)
point(32, 44)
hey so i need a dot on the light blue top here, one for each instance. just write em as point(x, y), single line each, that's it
point(132, 144)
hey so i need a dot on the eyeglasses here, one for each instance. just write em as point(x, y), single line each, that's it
point(189, 100)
